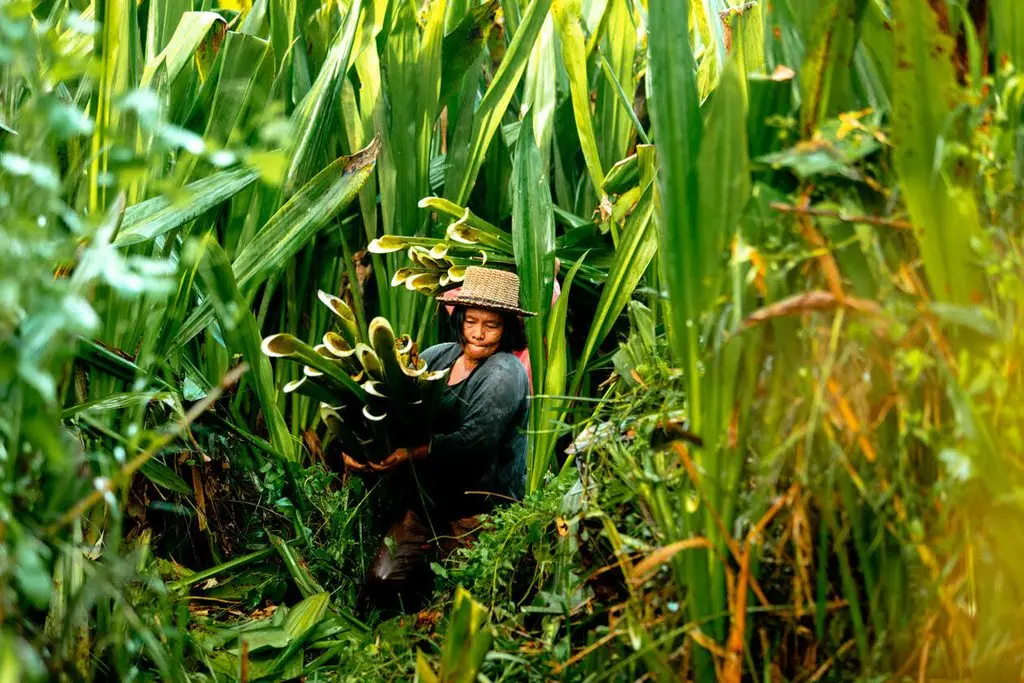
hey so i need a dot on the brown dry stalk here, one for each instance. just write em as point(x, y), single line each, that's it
point(814, 300)
point(733, 672)
point(691, 470)
point(646, 567)
point(800, 537)
point(844, 217)
point(734, 661)
point(852, 423)
point(829, 268)
point(245, 661)
point(197, 487)
point(823, 669)
point(710, 645)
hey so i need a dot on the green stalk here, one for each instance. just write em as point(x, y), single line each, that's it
point(198, 577)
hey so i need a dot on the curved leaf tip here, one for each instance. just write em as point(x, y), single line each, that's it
point(279, 345)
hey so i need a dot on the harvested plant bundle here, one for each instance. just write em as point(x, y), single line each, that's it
point(435, 262)
point(373, 397)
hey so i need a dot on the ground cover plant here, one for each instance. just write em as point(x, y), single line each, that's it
point(775, 432)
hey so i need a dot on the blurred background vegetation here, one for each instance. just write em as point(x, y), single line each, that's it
point(774, 434)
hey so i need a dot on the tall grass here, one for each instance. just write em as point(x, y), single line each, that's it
point(818, 200)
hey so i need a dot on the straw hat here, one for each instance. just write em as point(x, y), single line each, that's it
point(488, 288)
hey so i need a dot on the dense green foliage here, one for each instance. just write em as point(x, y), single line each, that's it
point(775, 432)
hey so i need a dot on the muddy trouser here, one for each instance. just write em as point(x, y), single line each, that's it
point(401, 566)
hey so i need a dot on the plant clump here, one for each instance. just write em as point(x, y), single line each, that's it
point(374, 396)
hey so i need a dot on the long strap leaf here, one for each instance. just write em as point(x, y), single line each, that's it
point(495, 102)
point(291, 228)
point(636, 248)
point(242, 335)
point(153, 217)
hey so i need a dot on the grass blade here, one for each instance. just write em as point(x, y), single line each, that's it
point(614, 107)
point(533, 235)
point(241, 334)
point(677, 127)
point(549, 407)
point(637, 245)
point(539, 89)
point(574, 57)
point(924, 94)
point(190, 33)
point(724, 182)
point(146, 220)
point(314, 117)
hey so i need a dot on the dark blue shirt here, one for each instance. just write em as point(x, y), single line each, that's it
point(479, 442)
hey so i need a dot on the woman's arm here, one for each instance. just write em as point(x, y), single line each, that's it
point(436, 354)
point(492, 404)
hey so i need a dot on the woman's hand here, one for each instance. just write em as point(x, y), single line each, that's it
point(389, 463)
point(353, 465)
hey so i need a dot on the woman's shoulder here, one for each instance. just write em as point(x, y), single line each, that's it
point(505, 365)
point(438, 353)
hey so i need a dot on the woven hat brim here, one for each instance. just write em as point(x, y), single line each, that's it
point(484, 303)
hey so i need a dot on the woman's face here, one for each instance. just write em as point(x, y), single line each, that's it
point(482, 331)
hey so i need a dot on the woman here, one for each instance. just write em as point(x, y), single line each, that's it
point(477, 455)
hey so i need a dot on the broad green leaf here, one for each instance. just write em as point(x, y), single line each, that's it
point(164, 477)
point(724, 185)
point(255, 22)
point(314, 118)
point(156, 216)
point(304, 580)
point(1007, 24)
point(724, 190)
point(370, 27)
point(467, 160)
point(635, 250)
point(462, 45)
point(192, 31)
point(873, 59)
point(290, 229)
point(118, 43)
point(282, 20)
point(549, 406)
point(303, 617)
point(677, 132)
point(677, 127)
point(411, 71)
point(271, 637)
point(368, 71)
point(708, 28)
point(614, 114)
point(533, 236)
point(239, 85)
point(622, 176)
point(744, 29)
point(540, 93)
point(826, 87)
point(925, 92)
point(242, 335)
point(566, 15)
